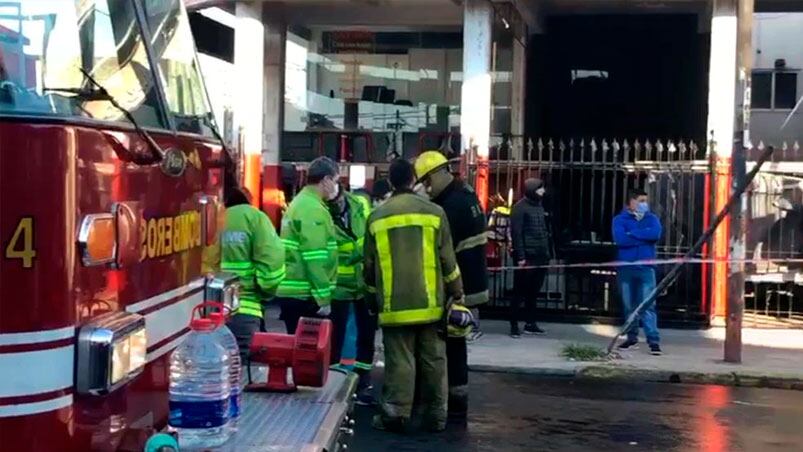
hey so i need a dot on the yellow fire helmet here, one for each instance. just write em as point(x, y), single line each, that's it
point(460, 321)
point(428, 162)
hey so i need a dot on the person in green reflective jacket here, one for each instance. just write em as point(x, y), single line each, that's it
point(310, 244)
point(349, 215)
point(251, 249)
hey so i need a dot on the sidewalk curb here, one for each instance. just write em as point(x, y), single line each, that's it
point(608, 372)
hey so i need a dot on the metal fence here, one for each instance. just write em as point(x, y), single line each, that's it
point(774, 292)
point(587, 181)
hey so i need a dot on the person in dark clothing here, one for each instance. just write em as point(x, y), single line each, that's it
point(468, 231)
point(381, 192)
point(636, 232)
point(530, 237)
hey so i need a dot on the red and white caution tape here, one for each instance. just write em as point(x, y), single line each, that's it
point(649, 262)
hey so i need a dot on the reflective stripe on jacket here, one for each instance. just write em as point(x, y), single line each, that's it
point(308, 234)
point(409, 260)
point(252, 250)
point(350, 283)
point(468, 230)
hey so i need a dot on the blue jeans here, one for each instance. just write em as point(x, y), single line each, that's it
point(636, 284)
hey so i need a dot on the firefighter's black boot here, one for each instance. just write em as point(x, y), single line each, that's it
point(458, 402)
point(457, 363)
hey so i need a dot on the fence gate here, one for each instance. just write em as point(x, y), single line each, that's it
point(774, 292)
point(587, 181)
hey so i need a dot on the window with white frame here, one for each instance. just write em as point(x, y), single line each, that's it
point(774, 90)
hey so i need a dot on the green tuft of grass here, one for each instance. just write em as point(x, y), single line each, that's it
point(581, 352)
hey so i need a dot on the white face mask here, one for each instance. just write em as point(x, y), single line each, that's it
point(421, 190)
point(334, 191)
point(540, 191)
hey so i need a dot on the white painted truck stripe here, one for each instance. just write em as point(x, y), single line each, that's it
point(27, 409)
point(162, 297)
point(36, 337)
point(36, 372)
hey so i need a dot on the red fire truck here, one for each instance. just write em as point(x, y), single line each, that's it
point(111, 184)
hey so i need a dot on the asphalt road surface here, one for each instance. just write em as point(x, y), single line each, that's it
point(527, 413)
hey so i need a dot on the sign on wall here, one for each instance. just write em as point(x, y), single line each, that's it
point(351, 41)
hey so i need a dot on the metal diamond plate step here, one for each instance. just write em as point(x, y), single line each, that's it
point(307, 420)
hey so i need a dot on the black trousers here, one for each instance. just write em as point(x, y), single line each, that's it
point(366, 332)
point(457, 361)
point(293, 309)
point(244, 326)
point(527, 284)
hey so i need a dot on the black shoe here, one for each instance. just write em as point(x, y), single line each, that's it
point(364, 381)
point(364, 393)
point(655, 350)
point(630, 344)
point(436, 428)
point(397, 425)
point(365, 399)
point(458, 403)
point(533, 329)
point(514, 331)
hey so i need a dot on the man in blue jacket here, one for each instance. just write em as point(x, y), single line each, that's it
point(636, 232)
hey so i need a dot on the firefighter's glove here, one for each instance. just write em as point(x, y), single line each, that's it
point(324, 311)
point(461, 300)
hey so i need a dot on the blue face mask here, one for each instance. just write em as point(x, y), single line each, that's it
point(643, 208)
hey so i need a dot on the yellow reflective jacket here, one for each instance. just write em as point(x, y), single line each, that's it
point(409, 260)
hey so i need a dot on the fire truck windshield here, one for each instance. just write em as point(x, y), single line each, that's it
point(45, 45)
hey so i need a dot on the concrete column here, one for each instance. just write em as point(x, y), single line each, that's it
point(720, 127)
point(518, 97)
point(722, 77)
point(273, 124)
point(728, 113)
point(475, 102)
point(249, 48)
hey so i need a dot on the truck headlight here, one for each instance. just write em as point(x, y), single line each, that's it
point(224, 288)
point(112, 350)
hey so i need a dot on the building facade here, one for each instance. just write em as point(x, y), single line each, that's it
point(593, 97)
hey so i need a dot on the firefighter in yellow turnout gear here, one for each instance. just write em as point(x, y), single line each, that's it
point(349, 213)
point(410, 266)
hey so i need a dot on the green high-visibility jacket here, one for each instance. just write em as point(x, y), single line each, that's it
point(366, 203)
point(409, 260)
point(350, 238)
point(252, 250)
point(310, 245)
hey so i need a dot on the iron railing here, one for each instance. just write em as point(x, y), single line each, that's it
point(587, 181)
point(774, 292)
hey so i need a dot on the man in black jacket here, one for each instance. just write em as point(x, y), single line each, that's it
point(467, 224)
point(530, 236)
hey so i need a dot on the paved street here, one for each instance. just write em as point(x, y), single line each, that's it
point(528, 413)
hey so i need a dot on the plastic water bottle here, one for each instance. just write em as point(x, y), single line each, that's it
point(200, 388)
point(226, 337)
